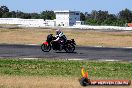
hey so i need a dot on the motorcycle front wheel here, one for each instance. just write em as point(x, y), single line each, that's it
point(45, 47)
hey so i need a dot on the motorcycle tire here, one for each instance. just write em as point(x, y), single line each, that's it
point(69, 48)
point(45, 48)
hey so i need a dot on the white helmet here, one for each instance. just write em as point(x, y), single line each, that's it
point(58, 31)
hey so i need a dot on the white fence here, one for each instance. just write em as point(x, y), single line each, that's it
point(101, 27)
point(21, 21)
point(27, 22)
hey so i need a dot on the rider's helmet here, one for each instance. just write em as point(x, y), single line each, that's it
point(58, 31)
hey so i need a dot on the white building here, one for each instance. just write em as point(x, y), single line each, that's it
point(67, 17)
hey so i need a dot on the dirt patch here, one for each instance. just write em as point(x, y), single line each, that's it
point(82, 37)
point(44, 82)
point(38, 82)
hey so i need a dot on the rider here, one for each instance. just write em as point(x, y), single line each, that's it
point(60, 37)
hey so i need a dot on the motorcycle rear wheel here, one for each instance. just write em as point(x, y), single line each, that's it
point(69, 48)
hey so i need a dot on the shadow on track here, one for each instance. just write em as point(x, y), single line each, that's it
point(66, 52)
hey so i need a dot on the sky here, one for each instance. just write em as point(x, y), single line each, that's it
point(113, 6)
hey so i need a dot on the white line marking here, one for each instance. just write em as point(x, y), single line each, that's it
point(112, 60)
point(32, 44)
point(75, 59)
point(29, 58)
point(128, 47)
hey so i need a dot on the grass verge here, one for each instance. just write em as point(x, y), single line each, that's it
point(17, 73)
point(65, 68)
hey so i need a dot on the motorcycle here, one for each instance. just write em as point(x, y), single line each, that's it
point(68, 46)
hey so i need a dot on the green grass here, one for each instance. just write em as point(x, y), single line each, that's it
point(65, 68)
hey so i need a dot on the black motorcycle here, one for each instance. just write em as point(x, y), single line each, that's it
point(68, 46)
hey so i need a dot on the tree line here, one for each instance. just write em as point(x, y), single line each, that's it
point(5, 13)
point(94, 18)
point(105, 18)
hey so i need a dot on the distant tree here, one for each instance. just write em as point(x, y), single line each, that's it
point(125, 15)
point(7, 15)
point(101, 16)
point(82, 17)
point(88, 16)
point(94, 14)
point(0, 13)
point(19, 14)
point(23, 15)
point(3, 9)
point(27, 16)
point(110, 20)
point(91, 21)
point(35, 16)
point(47, 15)
point(13, 14)
point(121, 22)
point(112, 17)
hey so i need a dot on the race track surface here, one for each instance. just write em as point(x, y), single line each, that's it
point(86, 53)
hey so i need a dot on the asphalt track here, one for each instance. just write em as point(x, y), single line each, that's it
point(86, 53)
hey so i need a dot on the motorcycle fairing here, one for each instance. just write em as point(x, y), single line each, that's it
point(46, 43)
